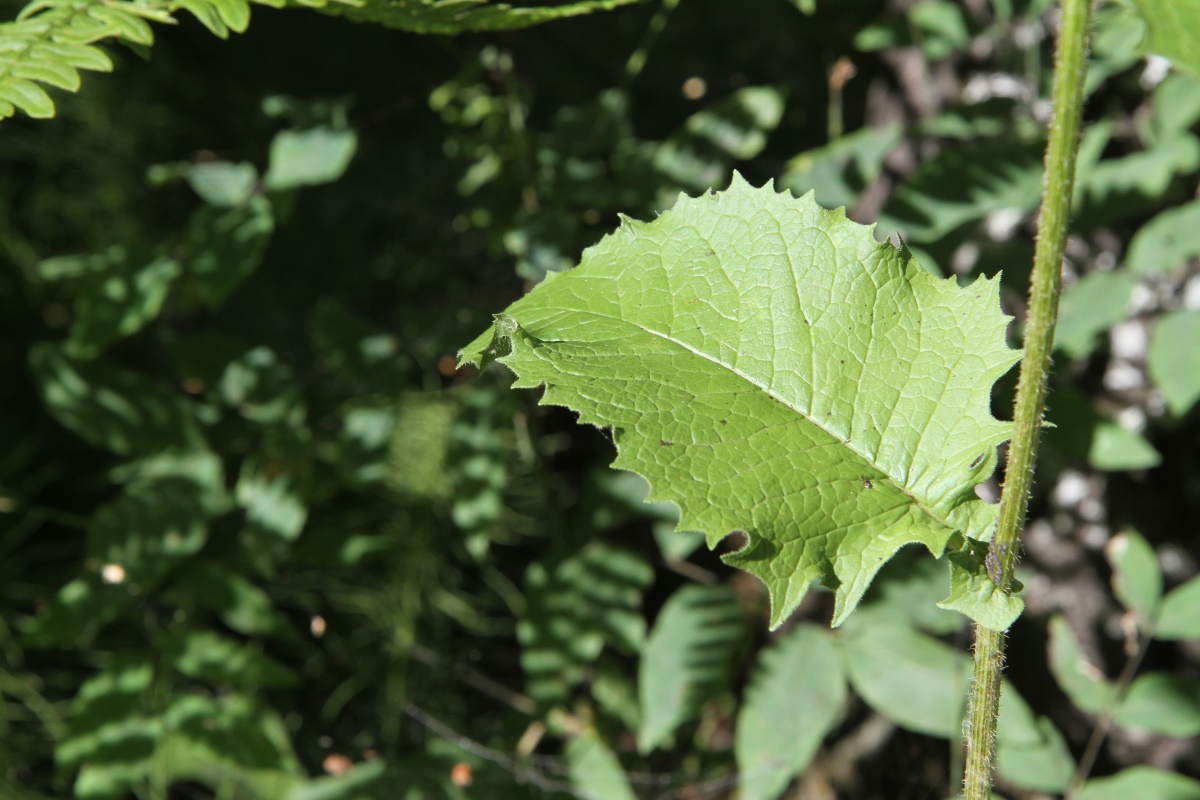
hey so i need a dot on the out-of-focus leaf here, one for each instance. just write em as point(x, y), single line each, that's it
point(1137, 579)
point(1171, 30)
point(1176, 106)
point(1090, 307)
point(208, 656)
point(77, 612)
point(1167, 241)
point(309, 158)
point(687, 656)
point(615, 691)
point(225, 741)
point(263, 389)
point(111, 407)
point(1116, 43)
point(1081, 432)
point(272, 487)
point(942, 26)
point(117, 293)
point(110, 734)
point(595, 771)
point(356, 350)
point(1173, 359)
point(838, 171)
point(576, 606)
point(1079, 679)
point(148, 530)
point(907, 591)
point(1045, 766)
point(360, 783)
point(119, 306)
point(198, 466)
point(796, 696)
point(221, 183)
point(1116, 188)
point(702, 155)
point(1164, 703)
point(226, 246)
point(1115, 448)
point(363, 442)
point(989, 118)
point(964, 184)
point(1179, 613)
point(911, 678)
point(1144, 783)
point(240, 604)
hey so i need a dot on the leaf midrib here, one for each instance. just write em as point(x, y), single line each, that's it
point(807, 416)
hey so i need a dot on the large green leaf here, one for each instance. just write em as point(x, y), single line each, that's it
point(773, 370)
point(796, 696)
point(687, 655)
point(1172, 27)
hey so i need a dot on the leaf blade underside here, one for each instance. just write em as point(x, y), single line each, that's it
point(771, 369)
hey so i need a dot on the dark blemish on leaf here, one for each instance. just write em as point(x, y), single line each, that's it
point(724, 422)
point(665, 443)
point(978, 460)
point(709, 253)
point(866, 483)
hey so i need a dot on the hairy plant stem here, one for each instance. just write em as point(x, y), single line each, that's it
point(1070, 70)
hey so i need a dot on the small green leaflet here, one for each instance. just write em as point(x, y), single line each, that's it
point(774, 371)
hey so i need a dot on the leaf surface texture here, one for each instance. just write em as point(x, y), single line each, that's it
point(774, 371)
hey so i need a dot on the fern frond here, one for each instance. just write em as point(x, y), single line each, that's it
point(458, 16)
point(51, 40)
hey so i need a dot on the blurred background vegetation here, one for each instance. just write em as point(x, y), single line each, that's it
point(259, 538)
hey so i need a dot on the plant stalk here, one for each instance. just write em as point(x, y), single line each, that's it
point(1070, 70)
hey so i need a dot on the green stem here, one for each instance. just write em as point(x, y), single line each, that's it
point(658, 23)
point(1070, 70)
